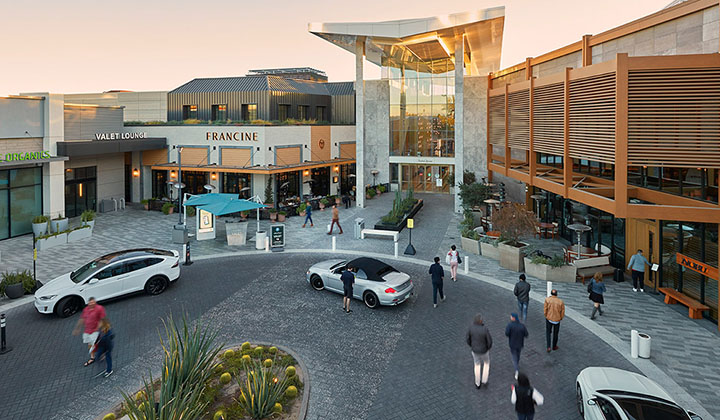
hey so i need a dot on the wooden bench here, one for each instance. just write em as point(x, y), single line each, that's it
point(379, 232)
point(587, 267)
point(695, 308)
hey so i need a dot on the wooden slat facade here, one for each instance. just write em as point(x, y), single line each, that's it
point(236, 156)
point(519, 119)
point(154, 157)
point(592, 118)
point(288, 155)
point(347, 150)
point(195, 155)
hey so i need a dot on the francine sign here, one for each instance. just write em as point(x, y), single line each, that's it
point(231, 136)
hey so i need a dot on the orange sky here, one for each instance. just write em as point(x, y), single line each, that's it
point(88, 46)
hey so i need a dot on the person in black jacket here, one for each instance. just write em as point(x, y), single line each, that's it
point(437, 273)
point(522, 291)
point(104, 345)
point(480, 342)
point(516, 333)
point(525, 398)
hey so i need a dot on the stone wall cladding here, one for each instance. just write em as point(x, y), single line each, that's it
point(558, 65)
point(475, 125)
point(377, 130)
point(20, 146)
point(508, 79)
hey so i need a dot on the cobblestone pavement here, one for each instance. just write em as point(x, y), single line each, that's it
point(687, 350)
point(400, 362)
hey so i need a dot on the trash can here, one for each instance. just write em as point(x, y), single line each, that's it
point(180, 234)
point(618, 276)
point(260, 239)
point(359, 226)
point(644, 345)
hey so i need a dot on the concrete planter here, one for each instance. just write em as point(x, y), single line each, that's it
point(51, 241)
point(79, 234)
point(490, 250)
point(14, 291)
point(477, 217)
point(59, 225)
point(40, 228)
point(90, 223)
point(470, 246)
point(511, 257)
point(565, 274)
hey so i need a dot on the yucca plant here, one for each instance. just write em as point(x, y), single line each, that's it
point(262, 387)
point(188, 363)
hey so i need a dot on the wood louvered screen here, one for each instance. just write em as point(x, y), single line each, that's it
point(674, 117)
point(236, 157)
point(195, 156)
point(519, 119)
point(592, 118)
point(347, 150)
point(548, 118)
point(154, 157)
point(287, 156)
point(497, 119)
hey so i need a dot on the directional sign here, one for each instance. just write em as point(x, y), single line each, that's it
point(410, 223)
point(277, 235)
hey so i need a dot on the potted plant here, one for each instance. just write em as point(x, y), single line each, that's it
point(88, 218)
point(190, 210)
point(40, 225)
point(380, 189)
point(323, 203)
point(550, 268)
point(11, 285)
point(302, 209)
point(244, 215)
point(514, 221)
point(59, 224)
point(145, 203)
point(269, 201)
point(281, 215)
point(273, 214)
point(469, 238)
point(167, 208)
point(371, 193)
point(334, 199)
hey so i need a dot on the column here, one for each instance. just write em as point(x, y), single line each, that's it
point(359, 122)
point(459, 132)
point(137, 181)
point(53, 172)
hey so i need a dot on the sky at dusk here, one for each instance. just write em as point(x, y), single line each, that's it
point(76, 46)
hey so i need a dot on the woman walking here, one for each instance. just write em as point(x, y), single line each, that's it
point(453, 258)
point(104, 345)
point(597, 289)
point(525, 398)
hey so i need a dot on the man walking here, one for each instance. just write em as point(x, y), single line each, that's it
point(480, 342)
point(335, 219)
point(348, 279)
point(90, 319)
point(436, 272)
point(308, 214)
point(637, 264)
point(516, 333)
point(522, 291)
point(554, 310)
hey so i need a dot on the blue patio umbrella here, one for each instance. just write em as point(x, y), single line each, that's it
point(210, 198)
point(220, 208)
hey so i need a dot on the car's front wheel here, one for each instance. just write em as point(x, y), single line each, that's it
point(316, 282)
point(371, 300)
point(580, 401)
point(156, 285)
point(68, 306)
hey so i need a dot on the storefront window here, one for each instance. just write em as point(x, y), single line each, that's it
point(321, 181)
point(234, 183)
point(696, 183)
point(189, 112)
point(159, 184)
point(347, 182)
point(249, 112)
point(288, 185)
point(80, 190)
point(219, 113)
point(283, 112)
point(20, 200)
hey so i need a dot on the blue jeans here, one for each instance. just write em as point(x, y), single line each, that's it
point(108, 357)
point(308, 217)
point(516, 358)
point(526, 416)
point(437, 288)
point(522, 311)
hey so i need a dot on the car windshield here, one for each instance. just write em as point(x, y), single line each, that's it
point(82, 273)
point(340, 264)
point(646, 409)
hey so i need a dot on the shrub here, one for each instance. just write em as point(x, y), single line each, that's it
point(140, 396)
point(283, 212)
point(473, 195)
point(245, 346)
point(372, 193)
point(87, 216)
point(291, 392)
point(225, 378)
point(267, 363)
point(27, 281)
point(190, 210)
point(228, 353)
point(272, 350)
point(539, 259)
point(277, 408)
point(269, 191)
point(381, 188)
point(246, 358)
point(40, 219)
point(220, 414)
point(302, 207)
point(109, 416)
point(219, 368)
point(261, 388)
point(514, 221)
point(290, 371)
point(258, 352)
point(144, 201)
point(469, 177)
point(557, 261)
point(166, 208)
point(15, 278)
point(324, 201)
point(470, 234)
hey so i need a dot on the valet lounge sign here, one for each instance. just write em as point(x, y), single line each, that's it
point(120, 136)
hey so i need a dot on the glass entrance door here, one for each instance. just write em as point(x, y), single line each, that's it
point(80, 190)
point(426, 178)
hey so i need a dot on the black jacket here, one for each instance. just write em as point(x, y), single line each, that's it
point(437, 273)
point(516, 333)
point(522, 291)
point(478, 338)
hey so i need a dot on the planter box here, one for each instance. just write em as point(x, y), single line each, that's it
point(49, 242)
point(14, 291)
point(470, 245)
point(490, 251)
point(59, 225)
point(565, 274)
point(400, 226)
point(511, 257)
point(477, 217)
point(79, 234)
point(90, 223)
point(40, 228)
point(236, 233)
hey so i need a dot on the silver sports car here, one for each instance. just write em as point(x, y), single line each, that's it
point(376, 283)
point(610, 393)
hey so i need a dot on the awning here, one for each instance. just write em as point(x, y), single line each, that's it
point(32, 162)
point(221, 203)
point(100, 147)
point(269, 169)
point(209, 198)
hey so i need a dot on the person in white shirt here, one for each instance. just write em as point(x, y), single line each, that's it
point(453, 258)
point(525, 398)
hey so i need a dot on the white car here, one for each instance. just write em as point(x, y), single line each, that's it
point(107, 277)
point(605, 393)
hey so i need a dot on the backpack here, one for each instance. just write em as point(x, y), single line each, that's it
point(590, 285)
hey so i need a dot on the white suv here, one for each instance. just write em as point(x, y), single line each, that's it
point(107, 277)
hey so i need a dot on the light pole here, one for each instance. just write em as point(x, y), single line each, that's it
point(180, 185)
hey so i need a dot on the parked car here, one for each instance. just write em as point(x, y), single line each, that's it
point(109, 276)
point(609, 393)
point(376, 283)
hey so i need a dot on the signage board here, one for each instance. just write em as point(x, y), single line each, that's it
point(231, 136)
point(277, 235)
point(205, 221)
point(410, 223)
point(120, 136)
point(695, 265)
point(10, 157)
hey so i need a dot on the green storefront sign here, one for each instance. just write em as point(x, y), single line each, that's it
point(16, 157)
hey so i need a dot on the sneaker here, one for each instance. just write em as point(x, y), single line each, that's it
point(634, 289)
point(108, 373)
point(434, 305)
point(642, 290)
point(443, 298)
point(555, 348)
point(303, 225)
point(549, 349)
point(516, 374)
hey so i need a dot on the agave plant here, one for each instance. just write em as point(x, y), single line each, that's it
point(188, 363)
point(262, 387)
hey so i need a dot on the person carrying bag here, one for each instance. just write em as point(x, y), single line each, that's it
point(453, 259)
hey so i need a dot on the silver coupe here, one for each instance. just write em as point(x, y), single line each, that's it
point(376, 283)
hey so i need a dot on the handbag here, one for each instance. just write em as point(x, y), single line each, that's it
point(589, 288)
point(459, 259)
point(447, 258)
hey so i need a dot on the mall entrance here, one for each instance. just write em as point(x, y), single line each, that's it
point(426, 178)
point(80, 190)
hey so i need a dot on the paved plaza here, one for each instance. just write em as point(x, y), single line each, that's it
point(388, 363)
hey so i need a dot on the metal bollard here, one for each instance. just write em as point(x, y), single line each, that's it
point(396, 249)
point(3, 340)
point(267, 244)
point(467, 264)
point(333, 243)
point(186, 251)
point(549, 288)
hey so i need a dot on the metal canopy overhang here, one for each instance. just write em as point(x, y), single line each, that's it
point(100, 147)
point(16, 163)
point(254, 169)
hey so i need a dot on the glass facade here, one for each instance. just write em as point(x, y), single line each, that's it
point(218, 112)
point(80, 190)
point(20, 200)
point(234, 183)
point(427, 178)
point(288, 185)
point(696, 183)
point(249, 112)
point(159, 183)
point(422, 109)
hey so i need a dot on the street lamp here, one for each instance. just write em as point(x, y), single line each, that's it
point(180, 185)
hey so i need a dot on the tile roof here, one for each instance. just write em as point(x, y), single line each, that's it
point(264, 83)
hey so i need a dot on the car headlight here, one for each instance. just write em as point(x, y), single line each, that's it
point(308, 272)
point(48, 297)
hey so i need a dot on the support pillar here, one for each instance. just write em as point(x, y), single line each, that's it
point(359, 122)
point(459, 113)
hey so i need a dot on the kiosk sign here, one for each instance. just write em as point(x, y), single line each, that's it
point(277, 236)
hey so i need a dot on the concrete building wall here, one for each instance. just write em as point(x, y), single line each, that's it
point(475, 126)
point(139, 106)
point(377, 131)
point(110, 173)
point(558, 65)
point(83, 122)
point(20, 146)
point(510, 78)
point(21, 118)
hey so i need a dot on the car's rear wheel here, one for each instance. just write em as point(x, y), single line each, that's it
point(156, 285)
point(68, 306)
point(371, 300)
point(580, 401)
point(316, 282)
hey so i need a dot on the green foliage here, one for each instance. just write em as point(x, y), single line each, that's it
point(283, 212)
point(371, 192)
point(60, 217)
point(324, 201)
point(166, 208)
point(219, 415)
point(190, 210)
point(400, 208)
point(262, 388)
point(473, 195)
point(87, 216)
point(228, 353)
point(267, 362)
point(291, 392)
point(290, 371)
point(381, 188)
point(258, 351)
point(302, 207)
point(557, 261)
point(245, 346)
point(225, 378)
point(277, 408)
point(539, 259)
point(144, 201)
point(269, 191)
point(20, 277)
point(273, 350)
point(470, 234)
point(469, 177)
point(40, 219)
point(514, 221)
point(109, 416)
point(246, 358)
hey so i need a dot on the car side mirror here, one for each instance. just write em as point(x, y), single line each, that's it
point(591, 401)
point(93, 280)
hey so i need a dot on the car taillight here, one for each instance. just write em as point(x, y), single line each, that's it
point(176, 263)
point(390, 290)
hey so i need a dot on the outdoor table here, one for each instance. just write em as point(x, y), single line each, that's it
point(579, 228)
